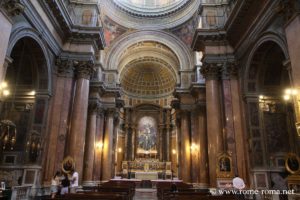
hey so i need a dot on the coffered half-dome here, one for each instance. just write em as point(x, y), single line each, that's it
point(147, 79)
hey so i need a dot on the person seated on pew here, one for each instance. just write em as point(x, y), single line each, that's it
point(174, 188)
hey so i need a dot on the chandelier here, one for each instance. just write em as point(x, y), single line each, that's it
point(33, 145)
point(8, 134)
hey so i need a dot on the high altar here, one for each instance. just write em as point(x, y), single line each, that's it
point(147, 169)
point(148, 141)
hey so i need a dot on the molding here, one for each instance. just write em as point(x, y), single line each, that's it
point(183, 53)
point(72, 31)
point(139, 22)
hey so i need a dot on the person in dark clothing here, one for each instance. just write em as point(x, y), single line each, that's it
point(65, 183)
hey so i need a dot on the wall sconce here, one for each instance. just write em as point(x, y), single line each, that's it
point(99, 145)
point(194, 147)
point(3, 89)
point(298, 128)
point(288, 93)
point(119, 150)
point(173, 151)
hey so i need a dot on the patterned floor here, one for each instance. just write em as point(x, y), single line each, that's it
point(145, 194)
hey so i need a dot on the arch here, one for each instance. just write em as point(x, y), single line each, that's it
point(264, 39)
point(22, 31)
point(179, 48)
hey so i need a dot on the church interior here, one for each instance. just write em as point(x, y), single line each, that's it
point(150, 99)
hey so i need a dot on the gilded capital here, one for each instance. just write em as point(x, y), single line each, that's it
point(12, 7)
point(211, 71)
point(65, 67)
point(84, 69)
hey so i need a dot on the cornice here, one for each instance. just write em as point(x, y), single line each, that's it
point(140, 21)
point(12, 7)
point(203, 36)
point(104, 89)
point(163, 13)
point(72, 31)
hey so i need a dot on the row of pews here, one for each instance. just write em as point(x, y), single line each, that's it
point(112, 190)
point(125, 190)
point(184, 191)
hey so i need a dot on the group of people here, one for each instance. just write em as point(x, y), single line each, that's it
point(63, 183)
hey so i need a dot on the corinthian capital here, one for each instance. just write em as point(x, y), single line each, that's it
point(84, 69)
point(288, 8)
point(65, 67)
point(12, 7)
point(211, 71)
point(230, 70)
point(94, 107)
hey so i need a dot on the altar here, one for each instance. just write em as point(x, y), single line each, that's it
point(146, 175)
point(147, 169)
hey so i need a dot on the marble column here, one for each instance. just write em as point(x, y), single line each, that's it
point(292, 31)
point(59, 117)
point(160, 136)
point(107, 160)
point(214, 123)
point(99, 145)
point(185, 150)
point(203, 148)
point(195, 150)
point(237, 120)
point(77, 132)
point(89, 151)
point(168, 135)
point(133, 141)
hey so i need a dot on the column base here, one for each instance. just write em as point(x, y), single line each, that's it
point(90, 183)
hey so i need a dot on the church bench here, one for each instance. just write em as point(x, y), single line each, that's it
point(221, 197)
point(126, 191)
point(93, 196)
point(166, 186)
point(184, 193)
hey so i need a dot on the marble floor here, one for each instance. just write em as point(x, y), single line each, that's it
point(145, 194)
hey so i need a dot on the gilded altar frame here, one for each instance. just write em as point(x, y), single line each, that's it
point(224, 166)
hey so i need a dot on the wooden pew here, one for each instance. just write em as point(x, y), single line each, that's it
point(92, 196)
point(185, 194)
point(163, 187)
point(124, 187)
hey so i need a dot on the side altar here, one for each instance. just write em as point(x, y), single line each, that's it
point(147, 169)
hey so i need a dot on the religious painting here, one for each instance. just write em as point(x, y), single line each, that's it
point(147, 131)
point(292, 163)
point(260, 180)
point(224, 166)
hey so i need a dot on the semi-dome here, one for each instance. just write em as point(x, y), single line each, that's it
point(147, 80)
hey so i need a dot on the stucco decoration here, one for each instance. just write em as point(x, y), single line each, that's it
point(177, 49)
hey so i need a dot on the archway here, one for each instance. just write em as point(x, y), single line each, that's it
point(26, 106)
point(270, 116)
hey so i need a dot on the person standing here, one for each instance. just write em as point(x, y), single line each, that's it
point(65, 183)
point(74, 182)
point(55, 184)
